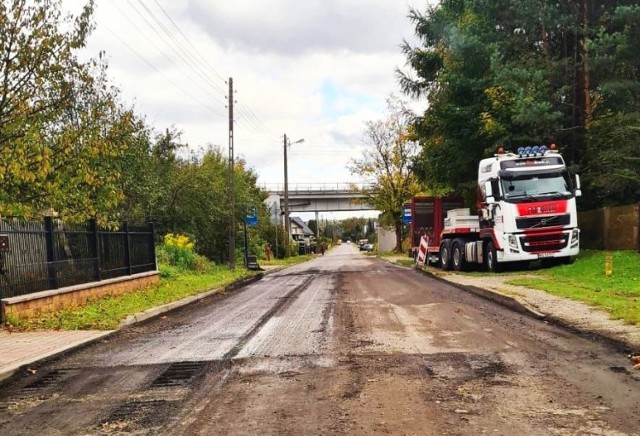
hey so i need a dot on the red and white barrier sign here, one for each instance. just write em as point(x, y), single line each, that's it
point(422, 250)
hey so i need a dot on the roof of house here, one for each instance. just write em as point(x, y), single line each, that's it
point(305, 228)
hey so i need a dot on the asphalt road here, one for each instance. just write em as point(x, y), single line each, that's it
point(344, 344)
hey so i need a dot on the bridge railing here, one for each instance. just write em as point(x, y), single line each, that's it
point(315, 187)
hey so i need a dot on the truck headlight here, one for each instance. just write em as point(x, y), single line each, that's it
point(513, 242)
point(575, 238)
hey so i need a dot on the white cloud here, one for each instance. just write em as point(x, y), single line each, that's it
point(315, 69)
point(294, 27)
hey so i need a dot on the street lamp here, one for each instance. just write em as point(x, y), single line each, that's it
point(286, 192)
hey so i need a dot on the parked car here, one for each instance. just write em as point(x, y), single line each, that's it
point(367, 247)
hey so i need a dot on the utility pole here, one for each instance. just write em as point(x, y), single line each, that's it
point(230, 186)
point(276, 220)
point(286, 200)
point(286, 193)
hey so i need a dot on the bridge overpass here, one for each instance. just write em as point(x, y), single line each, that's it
point(319, 197)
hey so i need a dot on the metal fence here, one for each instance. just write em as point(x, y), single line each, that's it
point(51, 254)
point(610, 228)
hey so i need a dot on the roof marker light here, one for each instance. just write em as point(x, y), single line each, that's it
point(543, 149)
point(527, 150)
point(535, 149)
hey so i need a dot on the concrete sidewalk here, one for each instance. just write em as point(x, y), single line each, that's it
point(19, 350)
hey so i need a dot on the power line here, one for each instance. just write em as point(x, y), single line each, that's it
point(253, 153)
point(211, 108)
point(192, 62)
point(170, 42)
point(256, 119)
point(171, 61)
point(203, 59)
point(257, 128)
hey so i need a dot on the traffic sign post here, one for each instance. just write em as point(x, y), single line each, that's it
point(250, 219)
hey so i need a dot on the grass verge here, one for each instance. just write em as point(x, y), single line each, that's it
point(106, 313)
point(287, 261)
point(585, 280)
point(397, 258)
point(405, 261)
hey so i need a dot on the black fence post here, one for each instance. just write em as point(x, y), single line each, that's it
point(152, 245)
point(93, 231)
point(127, 246)
point(246, 242)
point(51, 253)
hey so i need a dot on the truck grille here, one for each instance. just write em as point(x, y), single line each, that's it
point(544, 242)
point(546, 221)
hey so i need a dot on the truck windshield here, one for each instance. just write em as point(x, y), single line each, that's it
point(527, 187)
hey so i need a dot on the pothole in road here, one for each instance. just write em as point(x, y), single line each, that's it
point(619, 369)
point(364, 343)
point(490, 368)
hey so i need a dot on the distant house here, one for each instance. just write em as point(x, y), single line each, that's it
point(300, 231)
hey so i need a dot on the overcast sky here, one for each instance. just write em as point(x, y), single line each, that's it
point(313, 69)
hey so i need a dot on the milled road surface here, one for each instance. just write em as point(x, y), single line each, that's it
point(344, 344)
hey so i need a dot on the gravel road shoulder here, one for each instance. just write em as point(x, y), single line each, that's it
point(574, 314)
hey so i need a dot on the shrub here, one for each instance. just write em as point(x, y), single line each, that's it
point(178, 250)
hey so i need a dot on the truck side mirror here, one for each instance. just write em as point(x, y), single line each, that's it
point(578, 191)
point(488, 193)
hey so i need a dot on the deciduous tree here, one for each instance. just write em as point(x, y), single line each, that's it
point(61, 125)
point(386, 164)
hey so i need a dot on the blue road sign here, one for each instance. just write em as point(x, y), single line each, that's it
point(406, 215)
point(252, 218)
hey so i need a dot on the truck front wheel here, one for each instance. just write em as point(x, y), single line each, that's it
point(445, 255)
point(491, 259)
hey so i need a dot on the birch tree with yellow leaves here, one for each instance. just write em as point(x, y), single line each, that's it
point(385, 164)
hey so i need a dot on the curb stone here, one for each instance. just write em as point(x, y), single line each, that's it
point(504, 300)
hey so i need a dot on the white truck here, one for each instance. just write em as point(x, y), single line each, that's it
point(526, 211)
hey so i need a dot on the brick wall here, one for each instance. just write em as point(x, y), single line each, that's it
point(32, 305)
